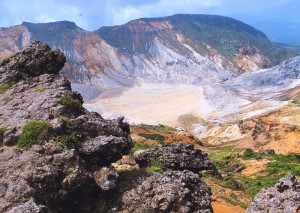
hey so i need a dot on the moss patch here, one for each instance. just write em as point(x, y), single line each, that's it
point(4, 87)
point(70, 102)
point(34, 132)
point(39, 89)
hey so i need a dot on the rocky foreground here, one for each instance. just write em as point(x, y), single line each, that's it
point(55, 156)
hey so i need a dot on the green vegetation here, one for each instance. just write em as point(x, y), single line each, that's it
point(234, 201)
point(4, 87)
point(156, 137)
point(71, 135)
point(68, 141)
point(39, 89)
point(250, 154)
point(159, 128)
point(70, 102)
point(2, 130)
point(228, 158)
point(138, 147)
point(227, 36)
point(34, 132)
point(155, 167)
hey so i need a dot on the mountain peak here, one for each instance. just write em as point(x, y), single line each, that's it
point(58, 24)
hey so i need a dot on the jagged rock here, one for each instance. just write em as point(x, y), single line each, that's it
point(106, 178)
point(170, 191)
point(283, 197)
point(35, 60)
point(36, 94)
point(29, 207)
point(94, 125)
point(33, 88)
point(46, 174)
point(104, 150)
point(176, 157)
point(53, 176)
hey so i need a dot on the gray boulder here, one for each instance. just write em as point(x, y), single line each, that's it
point(104, 150)
point(106, 178)
point(181, 156)
point(44, 175)
point(284, 197)
point(170, 191)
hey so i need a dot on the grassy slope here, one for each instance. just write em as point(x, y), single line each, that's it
point(244, 174)
point(224, 34)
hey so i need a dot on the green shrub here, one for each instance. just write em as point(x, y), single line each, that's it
point(34, 132)
point(70, 102)
point(4, 87)
point(156, 137)
point(160, 128)
point(39, 89)
point(236, 202)
point(138, 147)
point(155, 167)
point(2, 130)
point(249, 154)
point(68, 140)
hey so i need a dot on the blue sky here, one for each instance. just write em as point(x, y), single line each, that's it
point(92, 14)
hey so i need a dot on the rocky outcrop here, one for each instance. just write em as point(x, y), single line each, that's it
point(44, 175)
point(283, 197)
point(180, 156)
point(251, 59)
point(178, 189)
point(63, 173)
point(33, 90)
point(104, 150)
point(170, 191)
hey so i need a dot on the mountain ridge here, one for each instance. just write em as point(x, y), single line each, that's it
point(156, 51)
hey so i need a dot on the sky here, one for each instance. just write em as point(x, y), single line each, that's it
point(93, 14)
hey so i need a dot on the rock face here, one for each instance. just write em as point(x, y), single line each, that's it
point(283, 197)
point(170, 191)
point(180, 156)
point(43, 175)
point(64, 173)
point(178, 189)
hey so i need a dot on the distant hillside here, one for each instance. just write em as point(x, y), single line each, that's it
point(179, 49)
point(226, 35)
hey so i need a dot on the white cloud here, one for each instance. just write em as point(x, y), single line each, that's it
point(96, 13)
point(43, 17)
